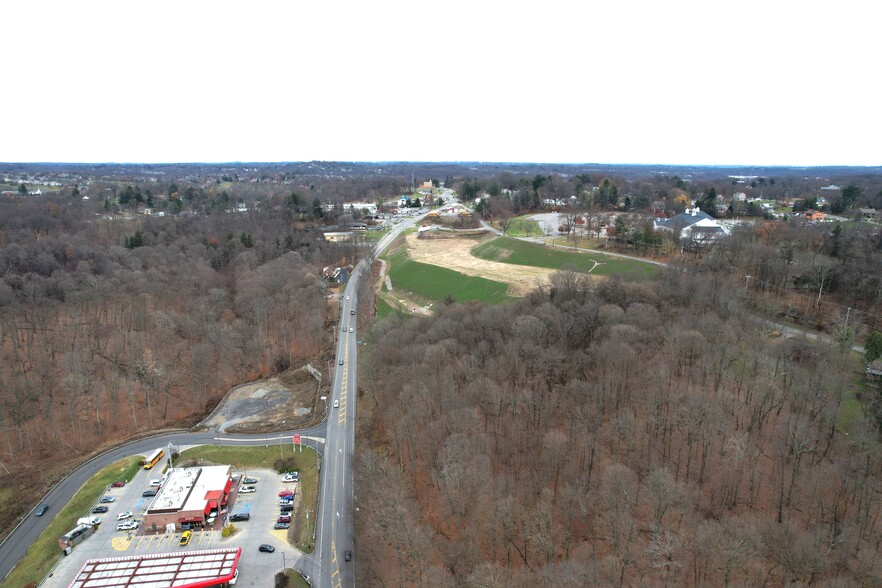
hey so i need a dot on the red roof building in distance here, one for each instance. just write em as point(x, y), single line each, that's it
point(185, 569)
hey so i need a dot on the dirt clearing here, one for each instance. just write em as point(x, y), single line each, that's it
point(455, 254)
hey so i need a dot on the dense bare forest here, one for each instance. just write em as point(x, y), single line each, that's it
point(611, 433)
point(110, 327)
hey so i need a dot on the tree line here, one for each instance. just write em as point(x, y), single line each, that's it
point(110, 328)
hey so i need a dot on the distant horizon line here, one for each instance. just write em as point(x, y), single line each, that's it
point(443, 162)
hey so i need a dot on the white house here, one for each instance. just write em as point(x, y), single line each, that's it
point(694, 228)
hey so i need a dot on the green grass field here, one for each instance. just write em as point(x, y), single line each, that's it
point(385, 309)
point(524, 227)
point(265, 458)
point(434, 283)
point(508, 250)
point(43, 553)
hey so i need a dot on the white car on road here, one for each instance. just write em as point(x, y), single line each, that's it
point(124, 515)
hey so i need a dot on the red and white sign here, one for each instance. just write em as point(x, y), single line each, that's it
point(297, 439)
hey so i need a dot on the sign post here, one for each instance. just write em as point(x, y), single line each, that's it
point(297, 442)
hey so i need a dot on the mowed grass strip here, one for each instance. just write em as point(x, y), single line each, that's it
point(43, 553)
point(514, 251)
point(433, 282)
point(243, 458)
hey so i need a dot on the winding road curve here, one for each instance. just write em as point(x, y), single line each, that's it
point(334, 438)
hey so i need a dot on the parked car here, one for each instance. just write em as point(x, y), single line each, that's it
point(286, 501)
point(292, 477)
point(266, 548)
point(127, 526)
point(124, 515)
point(99, 509)
point(118, 484)
point(247, 489)
point(42, 510)
point(249, 480)
point(281, 525)
point(107, 499)
point(284, 519)
point(155, 483)
point(286, 493)
point(286, 507)
point(185, 538)
point(148, 493)
point(239, 516)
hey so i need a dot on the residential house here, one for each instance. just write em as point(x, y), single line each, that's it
point(694, 228)
point(814, 215)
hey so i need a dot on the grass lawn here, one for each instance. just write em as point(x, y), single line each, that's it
point(266, 458)
point(508, 250)
point(385, 309)
point(524, 227)
point(43, 553)
point(435, 283)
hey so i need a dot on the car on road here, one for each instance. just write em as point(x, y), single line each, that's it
point(124, 515)
point(284, 519)
point(99, 509)
point(127, 526)
point(281, 525)
point(351, 330)
point(107, 499)
point(286, 493)
point(185, 538)
point(341, 361)
point(249, 480)
point(344, 328)
point(266, 548)
point(247, 489)
point(239, 516)
point(42, 510)
point(347, 555)
point(118, 484)
point(148, 493)
point(352, 311)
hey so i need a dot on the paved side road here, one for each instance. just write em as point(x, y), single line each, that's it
point(29, 529)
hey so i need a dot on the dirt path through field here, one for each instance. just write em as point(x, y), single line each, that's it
point(455, 254)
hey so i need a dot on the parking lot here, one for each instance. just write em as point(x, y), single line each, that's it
point(262, 506)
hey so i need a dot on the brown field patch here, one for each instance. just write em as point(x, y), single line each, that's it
point(455, 254)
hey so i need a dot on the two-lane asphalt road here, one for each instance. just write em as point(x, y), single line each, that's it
point(336, 502)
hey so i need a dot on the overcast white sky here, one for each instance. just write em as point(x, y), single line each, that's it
point(739, 82)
